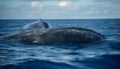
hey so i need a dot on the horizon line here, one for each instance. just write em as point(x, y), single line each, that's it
point(57, 18)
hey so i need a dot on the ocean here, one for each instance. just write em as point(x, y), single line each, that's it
point(102, 55)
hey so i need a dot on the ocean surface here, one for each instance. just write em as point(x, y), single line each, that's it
point(103, 55)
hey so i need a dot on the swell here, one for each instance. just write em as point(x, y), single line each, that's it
point(38, 64)
point(102, 62)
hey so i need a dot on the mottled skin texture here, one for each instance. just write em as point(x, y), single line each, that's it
point(58, 35)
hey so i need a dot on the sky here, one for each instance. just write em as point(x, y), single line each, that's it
point(59, 9)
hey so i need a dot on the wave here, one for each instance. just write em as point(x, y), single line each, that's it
point(104, 62)
point(38, 64)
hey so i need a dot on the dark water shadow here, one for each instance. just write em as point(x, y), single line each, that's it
point(115, 45)
point(63, 45)
point(102, 62)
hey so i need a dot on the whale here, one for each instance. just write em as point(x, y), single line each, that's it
point(58, 36)
point(40, 24)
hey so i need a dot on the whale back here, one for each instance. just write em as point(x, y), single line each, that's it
point(59, 35)
point(71, 35)
point(40, 24)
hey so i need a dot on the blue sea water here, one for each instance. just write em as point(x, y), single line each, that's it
point(103, 55)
